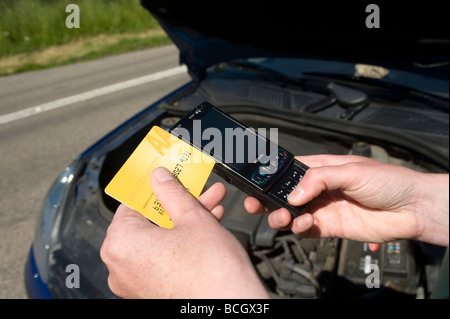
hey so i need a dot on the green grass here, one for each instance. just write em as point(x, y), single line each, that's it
point(28, 27)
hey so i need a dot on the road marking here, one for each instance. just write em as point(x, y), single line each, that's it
point(90, 94)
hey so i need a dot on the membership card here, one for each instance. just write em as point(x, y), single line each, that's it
point(131, 185)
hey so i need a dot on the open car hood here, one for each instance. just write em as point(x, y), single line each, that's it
point(409, 37)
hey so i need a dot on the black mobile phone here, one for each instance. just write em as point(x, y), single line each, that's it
point(244, 157)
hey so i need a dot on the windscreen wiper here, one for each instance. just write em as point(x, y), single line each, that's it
point(352, 100)
point(385, 89)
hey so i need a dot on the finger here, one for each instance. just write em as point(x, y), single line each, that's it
point(218, 212)
point(213, 196)
point(125, 214)
point(253, 206)
point(280, 219)
point(176, 200)
point(330, 160)
point(302, 226)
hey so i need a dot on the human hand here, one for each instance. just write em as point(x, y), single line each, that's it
point(361, 199)
point(197, 258)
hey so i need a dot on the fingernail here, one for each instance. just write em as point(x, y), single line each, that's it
point(295, 195)
point(162, 174)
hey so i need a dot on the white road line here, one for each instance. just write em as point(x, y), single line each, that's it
point(90, 94)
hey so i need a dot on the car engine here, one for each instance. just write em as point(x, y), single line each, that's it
point(294, 267)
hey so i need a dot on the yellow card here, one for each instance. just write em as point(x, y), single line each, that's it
point(131, 185)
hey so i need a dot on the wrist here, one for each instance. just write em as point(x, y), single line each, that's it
point(240, 283)
point(433, 209)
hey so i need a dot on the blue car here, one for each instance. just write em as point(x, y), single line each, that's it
point(355, 82)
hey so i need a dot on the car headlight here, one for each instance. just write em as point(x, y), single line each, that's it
point(48, 224)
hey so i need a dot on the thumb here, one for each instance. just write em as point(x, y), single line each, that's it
point(326, 178)
point(174, 198)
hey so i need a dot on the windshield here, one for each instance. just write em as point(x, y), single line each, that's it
point(433, 78)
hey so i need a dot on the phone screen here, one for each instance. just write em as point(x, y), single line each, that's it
point(228, 141)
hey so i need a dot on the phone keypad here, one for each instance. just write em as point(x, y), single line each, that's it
point(287, 184)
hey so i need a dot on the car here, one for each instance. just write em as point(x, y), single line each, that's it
point(331, 84)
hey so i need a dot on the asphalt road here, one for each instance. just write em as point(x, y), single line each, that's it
point(48, 117)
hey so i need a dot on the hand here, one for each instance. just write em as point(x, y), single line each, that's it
point(197, 258)
point(361, 199)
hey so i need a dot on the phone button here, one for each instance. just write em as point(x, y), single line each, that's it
point(289, 183)
point(280, 193)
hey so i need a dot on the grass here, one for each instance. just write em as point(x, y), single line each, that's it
point(33, 33)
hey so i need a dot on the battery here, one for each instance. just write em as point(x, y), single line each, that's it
point(391, 264)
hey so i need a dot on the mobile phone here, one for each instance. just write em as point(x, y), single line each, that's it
point(244, 157)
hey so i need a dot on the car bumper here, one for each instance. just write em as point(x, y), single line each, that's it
point(36, 288)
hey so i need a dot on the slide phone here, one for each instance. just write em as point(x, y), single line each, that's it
point(244, 158)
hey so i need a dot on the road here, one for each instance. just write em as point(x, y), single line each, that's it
point(48, 117)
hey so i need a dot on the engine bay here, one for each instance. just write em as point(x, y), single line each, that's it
point(336, 120)
point(293, 267)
